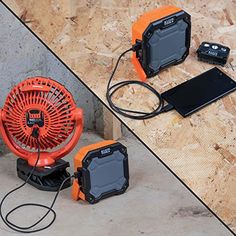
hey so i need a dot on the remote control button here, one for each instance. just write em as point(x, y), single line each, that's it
point(206, 45)
point(214, 46)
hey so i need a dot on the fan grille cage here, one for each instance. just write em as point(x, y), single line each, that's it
point(50, 98)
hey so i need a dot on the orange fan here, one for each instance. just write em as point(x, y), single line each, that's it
point(44, 106)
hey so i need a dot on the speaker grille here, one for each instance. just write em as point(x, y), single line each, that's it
point(107, 174)
point(167, 45)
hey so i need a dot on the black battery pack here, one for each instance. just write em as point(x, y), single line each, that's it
point(213, 53)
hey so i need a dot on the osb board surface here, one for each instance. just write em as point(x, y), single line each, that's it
point(89, 35)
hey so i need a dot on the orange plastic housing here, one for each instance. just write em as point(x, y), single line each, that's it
point(63, 121)
point(140, 26)
point(76, 194)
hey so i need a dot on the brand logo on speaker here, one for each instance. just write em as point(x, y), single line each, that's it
point(169, 21)
point(105, 151)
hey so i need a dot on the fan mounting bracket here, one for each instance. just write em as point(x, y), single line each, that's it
point(47, 178)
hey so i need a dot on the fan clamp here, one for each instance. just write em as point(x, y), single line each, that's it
point(47, 178)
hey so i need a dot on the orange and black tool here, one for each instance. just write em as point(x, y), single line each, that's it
point(160, 38)
point(164, 35)
point(101, 171)
point(40, 113)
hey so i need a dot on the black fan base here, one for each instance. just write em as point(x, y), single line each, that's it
point(47, 178)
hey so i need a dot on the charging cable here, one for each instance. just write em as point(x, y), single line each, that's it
point(134, 114)
point(28, 229)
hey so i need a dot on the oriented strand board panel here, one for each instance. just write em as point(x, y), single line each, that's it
point(89, 36)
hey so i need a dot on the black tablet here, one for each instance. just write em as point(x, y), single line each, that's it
point(199, 91)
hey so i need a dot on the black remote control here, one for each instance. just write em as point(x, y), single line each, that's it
point(213, 53)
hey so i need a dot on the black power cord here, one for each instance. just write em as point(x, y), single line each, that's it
point(27, 229)
point(133, 114)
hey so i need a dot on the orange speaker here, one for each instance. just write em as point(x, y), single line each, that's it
point(101, 171)
point(164, 37)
